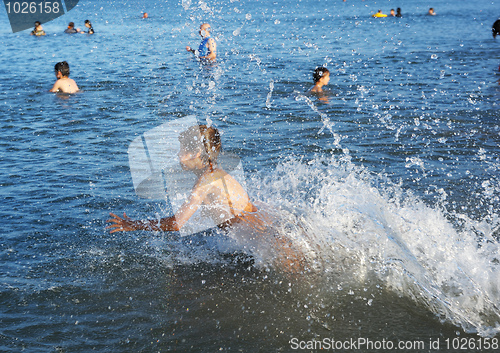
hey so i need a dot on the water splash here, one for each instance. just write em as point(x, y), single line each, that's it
point(269, 95)
point(327, 123)
point(365, 227)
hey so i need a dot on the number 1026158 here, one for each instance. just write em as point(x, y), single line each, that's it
point(471, 344)
point(25, 7)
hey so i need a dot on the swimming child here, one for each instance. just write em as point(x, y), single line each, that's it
point(71, 29)
point(321, 77)
point(431, 12)
point(38, 30)
point(495, 28)
point(223, 199)
point(89, 26)
point(145, 15)
point(207, 49)
point(64, 83)
point(379, 14)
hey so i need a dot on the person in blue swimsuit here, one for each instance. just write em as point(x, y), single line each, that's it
point(207, 49)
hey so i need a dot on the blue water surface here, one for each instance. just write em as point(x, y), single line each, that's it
point(394, 175)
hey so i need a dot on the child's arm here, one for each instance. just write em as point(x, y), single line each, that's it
point(126, 224)
point(173, 223)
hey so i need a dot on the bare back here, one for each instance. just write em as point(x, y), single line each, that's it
point(65, 85)
point(224, 198)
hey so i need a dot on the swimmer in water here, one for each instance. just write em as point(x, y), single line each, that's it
point(431, 12)
point(207, 49)
point(398, 12)
point(63, 84)
point(223, 199)
point(71, 29)
point(38, 30)
point(145, 15)
point(321, 77)
point(392, 14)
point(89, 26)
point(495, 29)
point(214, 188)
point(379, 14)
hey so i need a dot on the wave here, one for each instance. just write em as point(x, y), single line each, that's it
point(360, 226)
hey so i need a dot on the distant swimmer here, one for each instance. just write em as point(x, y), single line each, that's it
point(63, 84)
point(38, 30)
point(379, 14)
point(89, 26)
point(321, 77)
point(207, 49)
point(392, 13)
point(145, 15)
point(71, 29)
point(431, 12)
point(398, 12)
point(495, 29)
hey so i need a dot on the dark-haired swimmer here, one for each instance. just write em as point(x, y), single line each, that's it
point(64, 83)
point(207, 49)
point(321, 77)
point(379, 14)
point(38, 30)
point(89, 26)
point(71, 29)
point(495, 29)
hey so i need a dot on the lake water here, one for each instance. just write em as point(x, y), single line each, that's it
point(394, 176)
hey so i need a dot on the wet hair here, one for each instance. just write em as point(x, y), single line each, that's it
point(63, 67)
point(209, 146)
point(71, 24)
point(319, 73)
point(37, 23)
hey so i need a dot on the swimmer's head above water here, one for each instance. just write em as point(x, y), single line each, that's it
point(205, 30)
point(199, 147)
point(63, 68)
point(320, 73)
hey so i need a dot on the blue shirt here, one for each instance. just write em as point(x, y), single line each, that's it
point(203, 49)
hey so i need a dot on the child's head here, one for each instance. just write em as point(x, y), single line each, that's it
point(200, 141)
point(37, 23)
point(71, 25)
point(63, 68)
point(320, 73)
point(88, 24)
